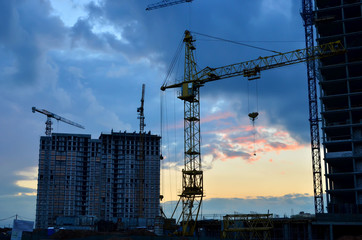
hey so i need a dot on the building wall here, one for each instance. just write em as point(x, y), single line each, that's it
point(68, 177)
point(341, 100)
point(80, 176)
point(131, 183)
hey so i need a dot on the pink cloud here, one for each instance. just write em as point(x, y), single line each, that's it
point(242, 141)
point(209, 118)
point(218, 116)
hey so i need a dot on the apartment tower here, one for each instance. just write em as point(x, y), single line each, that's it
point(113, 178)
point(68, 177)
point(130, 177)
point(341, 103)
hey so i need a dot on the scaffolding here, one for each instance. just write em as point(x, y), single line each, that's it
point(247, 226)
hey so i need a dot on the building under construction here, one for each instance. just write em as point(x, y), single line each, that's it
point(130, 178)
point(341, 98)
point(68, 177)
point(113, 178)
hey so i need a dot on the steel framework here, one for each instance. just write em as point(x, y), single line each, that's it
point(192, 175)
point(308, 17)
point(247, 226)
point(165, 3)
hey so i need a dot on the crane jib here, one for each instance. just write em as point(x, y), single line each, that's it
point(252, 68)
point(56, 117)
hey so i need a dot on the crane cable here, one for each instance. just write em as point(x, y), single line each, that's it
point(161, 146)
point(164, 114)
point(163, 105)
point(253, 115)
point(8, 218)
point(174, 60)
point(236, 42)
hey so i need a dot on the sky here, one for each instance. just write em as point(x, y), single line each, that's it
point(87, 60)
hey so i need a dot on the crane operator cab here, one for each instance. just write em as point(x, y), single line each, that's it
point(187, 92)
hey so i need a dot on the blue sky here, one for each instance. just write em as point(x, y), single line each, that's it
point(87, 60)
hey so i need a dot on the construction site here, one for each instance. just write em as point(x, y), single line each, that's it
point(109, 187)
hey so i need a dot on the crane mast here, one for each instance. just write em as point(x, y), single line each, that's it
point(50, 115)
point(308, 17)
point(141, 156)
point(141, 116)
point(165, 3)
point(192, 174)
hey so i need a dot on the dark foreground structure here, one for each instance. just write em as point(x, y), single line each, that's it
point(239, 226)
point(341, 100)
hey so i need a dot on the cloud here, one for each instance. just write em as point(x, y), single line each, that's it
point(29, 177)
point(219, 116)
point(288, 204)
point(245, 142)
point(277, 7)
point(26, 39)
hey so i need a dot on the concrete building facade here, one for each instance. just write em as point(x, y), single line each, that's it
point(130, 186)
point(68, 177)
point(341, 102)
point(98, 178)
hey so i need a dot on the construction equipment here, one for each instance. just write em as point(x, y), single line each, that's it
point(141, 116)
point(308, 17)
point(141, 156)
point(50, 115)
point(165, 3)
point(192, 174)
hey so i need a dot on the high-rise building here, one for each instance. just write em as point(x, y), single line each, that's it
point(130, 183)
point(341, 101)
point(113, 178)
point(68, 177)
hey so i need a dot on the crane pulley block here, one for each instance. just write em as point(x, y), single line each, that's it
point(252, 74)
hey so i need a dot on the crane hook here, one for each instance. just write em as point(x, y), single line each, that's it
point(253, 116)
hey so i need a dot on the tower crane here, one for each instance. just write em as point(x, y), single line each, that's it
point(50, 115)
point(141, 156)
point(308, 17)
point(165, 3)
point(141, 116)
point(192, 174)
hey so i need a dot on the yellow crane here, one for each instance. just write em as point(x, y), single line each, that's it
point(192, 174)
